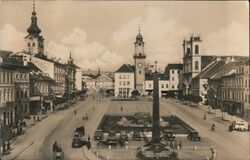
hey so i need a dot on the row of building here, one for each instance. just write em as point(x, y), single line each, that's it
point(32, 83)
point(220, 81)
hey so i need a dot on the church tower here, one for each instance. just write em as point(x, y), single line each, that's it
point(139, 58)
point(34, 41)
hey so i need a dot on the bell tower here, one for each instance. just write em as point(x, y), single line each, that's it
point(139, 58)
point(34, 41)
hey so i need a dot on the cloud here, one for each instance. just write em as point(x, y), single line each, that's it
point(231, 40)
point(88, 55)
point(11, 39)
point(162, 35)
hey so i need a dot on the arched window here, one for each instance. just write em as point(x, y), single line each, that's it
point(196, 65)
point(196, 49)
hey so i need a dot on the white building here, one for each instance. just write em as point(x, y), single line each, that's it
point(104, 82)
point(124, 81)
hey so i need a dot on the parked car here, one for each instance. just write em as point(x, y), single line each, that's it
point(194, 136)
point(80, 131)
point(112, 139)
point(169, 135)
point(123, 136)
point(137, 136)
point(98, 135)
point(240, 125)
point(77, 142)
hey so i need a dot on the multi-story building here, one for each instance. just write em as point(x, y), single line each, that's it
point(235, 90)
point(105, 82)
point(173, 72)
point(124, 81)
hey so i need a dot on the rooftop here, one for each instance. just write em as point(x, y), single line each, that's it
point(126, 68)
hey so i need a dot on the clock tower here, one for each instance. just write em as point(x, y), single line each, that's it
point(140, 64)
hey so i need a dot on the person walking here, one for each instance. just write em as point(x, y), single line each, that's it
point(180, 144)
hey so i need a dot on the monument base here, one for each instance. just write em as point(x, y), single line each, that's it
point(156, 151)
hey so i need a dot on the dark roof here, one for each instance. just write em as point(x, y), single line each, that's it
point(126, 68)
point(174, 66)
point(206, 60)
point(5, 53)
point(11, 63)
point(39, 76)
point(149, 76)
point(225, 69)
point(210, 70)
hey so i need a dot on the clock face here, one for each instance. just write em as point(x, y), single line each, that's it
point(139, 64)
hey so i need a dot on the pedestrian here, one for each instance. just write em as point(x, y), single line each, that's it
point(180, 144)
point(55, 146)
point(89, 138)
point(175, 144)
point(121, 108)
point(171, 145)
point(75, 111)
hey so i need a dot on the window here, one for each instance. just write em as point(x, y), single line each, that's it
point(124, 83)
point(196, 65)
point(139, 72)
point(178, 72)
point(21, 94)
point(25, 94)
point(196, 49)
point(166, 85)
point(150, 86)
point(188, 51)
point(33, 44)
point(124, 76)
point(29, 44)
point(162, 86)
point(172, 86)
point(172, 71)
point(120, 76)
point(127, 76)
point(25, 76)
point(128, 83)
point(17, 94)
point(172, 78)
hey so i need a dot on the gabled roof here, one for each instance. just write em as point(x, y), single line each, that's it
point(225, 69)
point(39, 76)
point(126, 68)
point(162, 76)
point(210, 70)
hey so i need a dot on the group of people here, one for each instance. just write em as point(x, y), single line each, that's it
point(175, 145)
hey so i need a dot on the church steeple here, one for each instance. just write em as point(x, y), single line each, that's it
point(70, 61)
point(34, 41)
point(34, 29)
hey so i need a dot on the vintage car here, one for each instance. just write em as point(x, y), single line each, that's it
point(98, 135)
point(123, 136)
point(169, 135)
point(112, 139)
point(80, 131)
point(194, 136)
point(240, 125)
point(137, 136)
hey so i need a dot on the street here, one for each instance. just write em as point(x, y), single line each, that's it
point(37, 142)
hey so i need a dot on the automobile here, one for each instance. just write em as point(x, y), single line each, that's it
point(240, 125)
point(77, 142)
point(79, 131)
point(123, 136)
point(137, 136)
point(169, 135)
point(194, 136)
point(112, 139)
point(59, 154)
point(98, 135)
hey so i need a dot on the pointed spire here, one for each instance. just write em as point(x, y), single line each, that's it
point(70, 55)
point(34, 29)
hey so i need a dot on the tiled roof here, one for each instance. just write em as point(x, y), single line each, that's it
point(126, 68)
point(39, 76)
point(33, 67)
point(205, 60)
point(149, 76)
point(225, 69)
point(211, 70)
point(175, 66)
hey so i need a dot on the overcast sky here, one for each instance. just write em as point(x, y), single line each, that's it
point(102, 34)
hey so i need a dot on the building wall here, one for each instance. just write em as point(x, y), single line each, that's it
point(174, 79)
point(78, 79)
point(163, 87)
point(124, 82)
point(60, 79)
point(140, 74)
point(7, 96)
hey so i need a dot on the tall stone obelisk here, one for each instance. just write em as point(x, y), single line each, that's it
point(156, 111)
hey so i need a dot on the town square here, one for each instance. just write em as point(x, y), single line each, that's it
point(124, 80)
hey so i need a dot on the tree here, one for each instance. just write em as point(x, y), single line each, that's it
point(196, 99)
